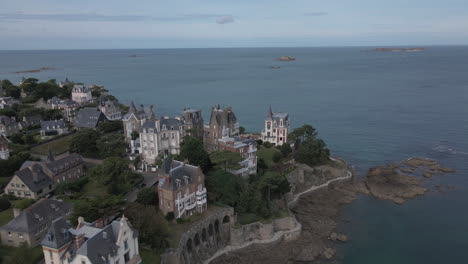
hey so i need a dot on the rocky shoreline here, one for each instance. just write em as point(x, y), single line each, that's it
point(318, 212)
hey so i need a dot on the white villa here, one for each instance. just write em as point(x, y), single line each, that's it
point(81, 94)
point(276, 128)
point(91, 243)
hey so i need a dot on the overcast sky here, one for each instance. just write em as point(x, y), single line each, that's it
point(67, 24)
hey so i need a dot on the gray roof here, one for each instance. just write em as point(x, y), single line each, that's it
point(170, 123)
point(64, 164)
point(58, 235)
point(53, 124)
point(180, 174)
point(33, 177)
point(7, 121)
point(99, 246)
point(149, 124)
point(89, 117)
point(37, 215)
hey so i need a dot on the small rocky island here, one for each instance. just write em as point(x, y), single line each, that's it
point(37, 70)
point(286, 58)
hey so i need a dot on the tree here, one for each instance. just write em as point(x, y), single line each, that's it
point(13, 91)
point(241, 130)
point(259, 142)
point(285, 149)
point(9, 166)
point(96, 208)
point(111, 126)
point(116, 175)
point(224, 187)
point(192, 150)
point(152, 227)
point(277, 156)
point(312, 153)
point(21, 255)
point(112, 145)
point(135, 135)
point(84, 142)
point(226, 159)
point(148, 196)
point(4, 204)
point(304, 133)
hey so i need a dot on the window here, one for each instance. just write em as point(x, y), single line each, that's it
point(172, 135)
point(20, 235)
point(126, 244)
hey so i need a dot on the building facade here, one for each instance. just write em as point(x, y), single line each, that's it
point(37, 179)
point(276, 128)
point(193, 122)
point(109, 109)
point(81, 94)
point(7, 102)
point(247, 149)
point(91, 243)
point(68, 107)
point(89, 117)
point(4, 149)
point(182, 189)
point(9, 126)
point(223, 123)
point(30, 225)
point(134, 120)
point(53, 127)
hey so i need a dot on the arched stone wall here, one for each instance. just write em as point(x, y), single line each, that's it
point(203, 239)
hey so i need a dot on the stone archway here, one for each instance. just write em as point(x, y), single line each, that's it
point(216, 226)
point(189, 245)
point(203, 235)
point(226, 219)
point(196, 239)
point(210, 230)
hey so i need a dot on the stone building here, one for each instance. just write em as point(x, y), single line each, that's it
point(182, 189)
point(81, 94)
point(7, 102)
point(247, 149)
point(223, 123)
point(91, 243)
point(109, 109)
point(53, 127)
point(36, 179)
point(193, 122)
point(159, 138)
point(68, 107)
point(134, 120)
point(276, 128)
point(30, 225)
point(9, 126)
point(4, 149)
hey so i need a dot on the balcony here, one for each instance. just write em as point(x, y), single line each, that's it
point(202, 192)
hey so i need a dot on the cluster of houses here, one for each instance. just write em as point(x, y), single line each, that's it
point(154, 139)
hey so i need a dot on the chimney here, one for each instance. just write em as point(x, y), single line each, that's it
point(79, 239)
point(99, 223)
point(80, 222)
point(16, 212)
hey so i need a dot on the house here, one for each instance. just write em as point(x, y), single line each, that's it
point(91, 243)
point(30, 225)
point(4, 149)
point(134, 119)
point(223, 123)
point(89, 117)
point(247, 148)
point(81, 94)
point(53, 127)
point(36, 179)
point(31, 121)
point(181, 189)
point(159, 138)
point(193, 122)
point(109, 109)
point(68, 107)
point(7, 102)
point(276, 128)
point(9, 126)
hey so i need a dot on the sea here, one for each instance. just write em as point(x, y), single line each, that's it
point(371, 108)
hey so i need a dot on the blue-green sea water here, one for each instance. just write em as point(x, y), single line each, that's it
point(370, 107)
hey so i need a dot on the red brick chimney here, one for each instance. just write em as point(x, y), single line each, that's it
point(79, 239)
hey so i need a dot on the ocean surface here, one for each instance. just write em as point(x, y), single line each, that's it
point(370, 107)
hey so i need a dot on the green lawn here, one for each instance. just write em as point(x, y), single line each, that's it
point(149, 257)
point(57, 147)
point(6, 216)
point(266, 154)
point(20, 255)
point(4, 181)
point(94, 189)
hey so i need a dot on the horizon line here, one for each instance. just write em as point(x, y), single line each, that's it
point(253, 47)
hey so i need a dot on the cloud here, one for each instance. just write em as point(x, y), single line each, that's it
point(315, 14)
point(225, 20)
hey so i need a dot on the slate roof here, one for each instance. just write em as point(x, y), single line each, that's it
point(170, 123)
point(33, 177)
point(7, 121)
point(140, 113)
point(38, 214)
point(99, 246)
point(53, 124)
point(58, 234)
point(89, 117)
point(64, 164)
point(223, 117)
point(178, 172)
point(3, 142)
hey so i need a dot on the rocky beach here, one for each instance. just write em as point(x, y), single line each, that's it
point(319, 210)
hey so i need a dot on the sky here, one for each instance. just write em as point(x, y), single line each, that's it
point(101, 24)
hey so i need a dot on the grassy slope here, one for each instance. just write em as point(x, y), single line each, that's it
point(57, 147)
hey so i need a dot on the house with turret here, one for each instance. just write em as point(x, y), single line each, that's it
point(134, 119)
point(223, 123)
point(91, 243)
point(81, 94)
point(276, 128)
point(193, 122)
